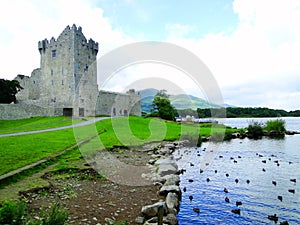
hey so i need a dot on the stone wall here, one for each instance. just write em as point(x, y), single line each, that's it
point(22, 111)
point(117, 104)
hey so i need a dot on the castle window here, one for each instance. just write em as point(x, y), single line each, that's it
point(51, 72)
point(53, 53)
point(52, 82)
point(34, 81)
point(62, 82)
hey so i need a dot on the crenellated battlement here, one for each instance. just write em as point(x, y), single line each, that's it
point(72, 34)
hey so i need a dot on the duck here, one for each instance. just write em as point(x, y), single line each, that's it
point(197, 210)
point(191, 164)
point(264, 161)
point(274, 182)
point(239, 156)
point(236, 180)
point(226, 190)
point(234, 161)
point(191, 180)
point(279, 197)
point(273, 218)
point(236, 211)
point(263, 169)
point(201, 171)
point(247, 181)
point(237, 203)
point(191, 197)
point(291, 191)
point(284, 223)
point(227, 175)
point(207, 179)
point(227, 200)
point(293, 180)
point(184, 189)
point(216, 171)
point(220, 156)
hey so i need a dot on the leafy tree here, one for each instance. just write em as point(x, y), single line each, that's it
point(161, 106)
point(8, 90)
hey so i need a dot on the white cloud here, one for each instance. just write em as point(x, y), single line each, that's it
point(176, 30)
point(264, 49)
point(24, 23)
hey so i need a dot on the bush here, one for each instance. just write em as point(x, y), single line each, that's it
point(275, 125)
point(13, 213)
point(255, 129)
point(56, 216)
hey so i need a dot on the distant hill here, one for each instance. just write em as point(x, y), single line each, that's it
point(180, 101)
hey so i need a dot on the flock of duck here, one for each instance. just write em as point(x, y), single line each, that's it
point(236, 210)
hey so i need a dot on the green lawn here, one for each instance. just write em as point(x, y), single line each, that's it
point(36, 123)
point(19, 151)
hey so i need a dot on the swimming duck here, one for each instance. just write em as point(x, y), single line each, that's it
point(273, 218)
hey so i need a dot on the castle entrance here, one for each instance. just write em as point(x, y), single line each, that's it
point(67, 111)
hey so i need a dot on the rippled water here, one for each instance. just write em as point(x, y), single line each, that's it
point(259, 198)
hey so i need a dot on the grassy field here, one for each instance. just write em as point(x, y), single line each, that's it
point(36, 123)
point(19, 151)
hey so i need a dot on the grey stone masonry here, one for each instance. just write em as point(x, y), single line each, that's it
point(66, 82)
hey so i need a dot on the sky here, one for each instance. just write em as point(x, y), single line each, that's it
point(251, 47)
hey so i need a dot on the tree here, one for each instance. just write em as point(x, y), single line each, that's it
point(161, 106)
point(8, 90)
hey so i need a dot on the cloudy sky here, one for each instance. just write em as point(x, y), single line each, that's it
point(252, 47)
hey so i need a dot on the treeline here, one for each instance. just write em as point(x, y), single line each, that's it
point(239, 112)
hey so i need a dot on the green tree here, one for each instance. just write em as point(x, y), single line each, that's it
point(161, 106)
point(8, 90)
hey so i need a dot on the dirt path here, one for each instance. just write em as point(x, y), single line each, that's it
point(88, 198)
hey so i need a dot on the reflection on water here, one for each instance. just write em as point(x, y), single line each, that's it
point(268, 164)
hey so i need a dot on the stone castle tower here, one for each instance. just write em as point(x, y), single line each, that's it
point(66, 82)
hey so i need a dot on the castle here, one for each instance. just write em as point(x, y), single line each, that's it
point(66, 82)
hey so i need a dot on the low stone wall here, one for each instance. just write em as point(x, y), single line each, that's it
point(21, 111)
point(166, 176)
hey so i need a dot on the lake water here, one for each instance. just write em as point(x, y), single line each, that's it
point(242, 159)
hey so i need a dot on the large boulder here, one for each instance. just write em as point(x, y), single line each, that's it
point(170, 188)
point(172, 201)
point(151, 210)
point(166, 169)
point(172, 179)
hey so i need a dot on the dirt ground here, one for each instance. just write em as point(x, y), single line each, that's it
point(92, 200)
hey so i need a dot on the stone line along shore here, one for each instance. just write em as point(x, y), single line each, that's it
point(165, 175)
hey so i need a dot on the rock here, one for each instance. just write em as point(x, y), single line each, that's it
point(151, 161)
point(170, 188)
point(139, 220)
point(171, 219)
point(151, 210)
point(172, 179)
point(172, 201)
point(164, 151)
point(166, 161)
point(166, 169)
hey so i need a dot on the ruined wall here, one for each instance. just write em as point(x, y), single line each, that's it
point(31, 86)
point(118, 104)
point(22, 111)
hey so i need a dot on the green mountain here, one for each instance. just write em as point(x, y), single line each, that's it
point(180, 101)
